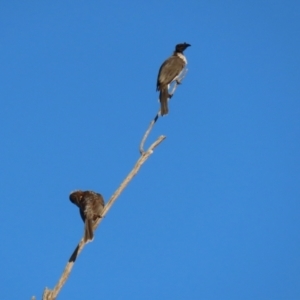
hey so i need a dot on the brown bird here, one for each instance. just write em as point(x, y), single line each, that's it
point(90, 205)
point(168, 72)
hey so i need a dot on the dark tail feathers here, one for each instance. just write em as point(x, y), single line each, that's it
point(163, 97)
point(88, 231)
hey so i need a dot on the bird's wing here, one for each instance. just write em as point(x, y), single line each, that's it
point(101, 199)
point(169, 70)
point(93, 204)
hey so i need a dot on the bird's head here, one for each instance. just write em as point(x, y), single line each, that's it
point(181, 47)
point(75, 197)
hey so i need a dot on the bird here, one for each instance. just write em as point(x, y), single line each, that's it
point(91, 206)
point(168, 72)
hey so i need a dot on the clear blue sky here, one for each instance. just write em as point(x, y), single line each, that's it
point(215, 212)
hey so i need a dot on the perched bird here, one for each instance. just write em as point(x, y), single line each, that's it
point(168, 72)
point(90, 205)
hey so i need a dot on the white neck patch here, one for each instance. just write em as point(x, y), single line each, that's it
point(182, 57)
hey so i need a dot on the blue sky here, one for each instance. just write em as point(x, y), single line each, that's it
point(214, 213)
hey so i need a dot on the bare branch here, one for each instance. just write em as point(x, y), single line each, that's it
point(52, 294)
point(171, 93)
point(47, 294)
point(147, 133)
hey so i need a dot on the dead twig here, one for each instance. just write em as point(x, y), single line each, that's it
point(52, 294)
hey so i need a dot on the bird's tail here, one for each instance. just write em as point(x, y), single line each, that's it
point(88, 231)
point(163, 97)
